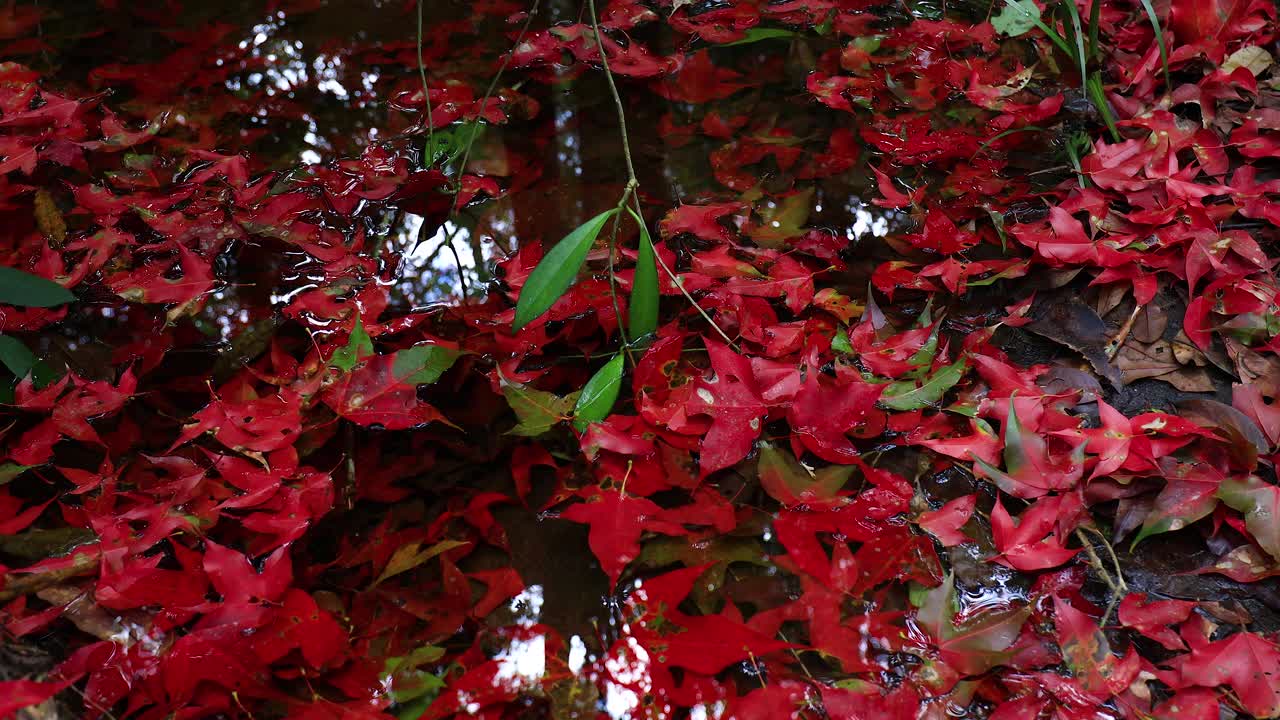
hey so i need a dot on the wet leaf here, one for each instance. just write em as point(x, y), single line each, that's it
point(979, 642)
point(790, 483)
point(423, 364)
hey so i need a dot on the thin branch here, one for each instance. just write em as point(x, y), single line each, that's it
point(506, 60)
point(617, 99)
point(426, 91)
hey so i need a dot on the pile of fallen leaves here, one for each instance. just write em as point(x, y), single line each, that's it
point(998, 442)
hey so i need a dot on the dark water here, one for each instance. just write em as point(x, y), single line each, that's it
point(318, 85)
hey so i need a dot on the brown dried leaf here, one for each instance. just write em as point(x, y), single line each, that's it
point(1150, 324)
point(1067, 320)
point(82, 611)
point(1194, 380)
point(1254, 368)
point(1246, 440)
point(1060, 380)
point(49, 219)
point(1141, 360)
point(1230, 612)
point(1109, 298)
point(1186, 353)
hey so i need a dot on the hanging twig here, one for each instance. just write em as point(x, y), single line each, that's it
point(426, 91)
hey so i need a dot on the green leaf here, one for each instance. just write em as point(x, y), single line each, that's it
point(27, 290)
point(359, 346)
point(557, 271)
point(1016, 18)
point(923, 357)
point(423, 364)
point(412, 687)
point(757, 34)
point(840, 343)
point(538, 411)
point(906, 396)
point(1019, 16)
point(16, 356)
point(599, 394)
point(1015, 446)
point(9, 471)
point(644, 287)
point(446, 145)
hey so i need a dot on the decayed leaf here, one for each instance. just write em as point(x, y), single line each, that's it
point(790, 483)
point(409, 556)
point(537, 411)
point(1150, 323)
point(1145, 360)
point(1251, 57)
point(1260, 503)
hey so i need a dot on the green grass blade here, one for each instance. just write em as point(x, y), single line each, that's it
point(1155, 25)
point(557, 271)
point(1077, 32)
point(1093, 87)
